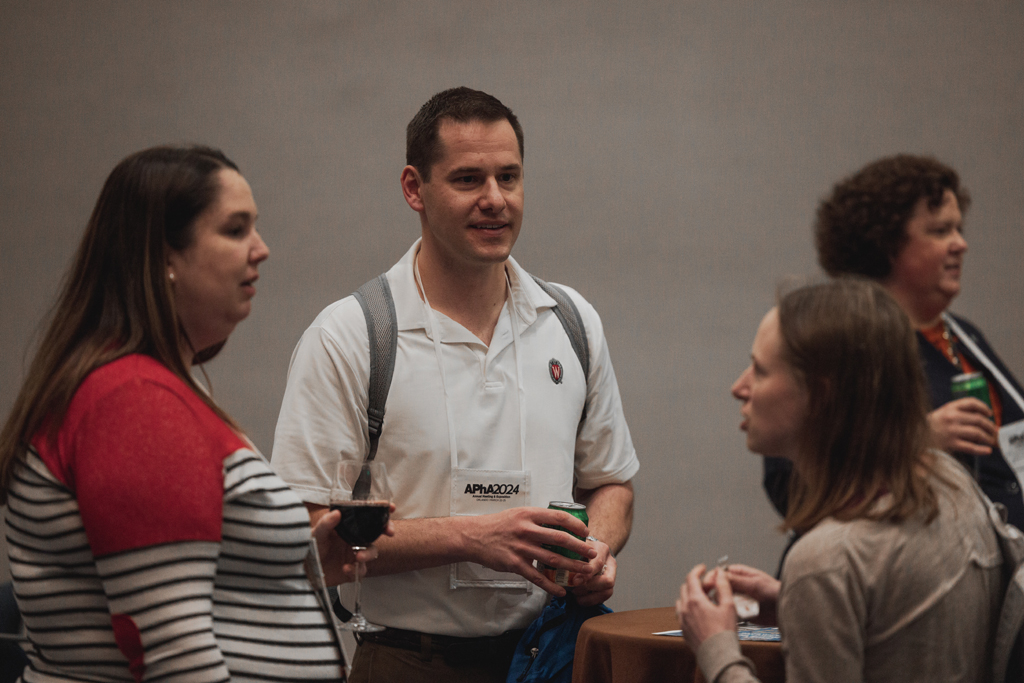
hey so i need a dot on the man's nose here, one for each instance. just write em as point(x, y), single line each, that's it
point(492, 199)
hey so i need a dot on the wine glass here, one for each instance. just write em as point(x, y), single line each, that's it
point(362, 494)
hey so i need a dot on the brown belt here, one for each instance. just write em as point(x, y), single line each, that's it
point(455, 651)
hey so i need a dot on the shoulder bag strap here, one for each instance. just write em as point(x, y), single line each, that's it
point(572, 322)
point(382, 328)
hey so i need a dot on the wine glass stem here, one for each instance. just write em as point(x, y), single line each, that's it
point(359, 570)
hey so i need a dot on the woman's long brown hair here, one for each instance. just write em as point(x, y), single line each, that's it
point(866, 431)
point(115, 299)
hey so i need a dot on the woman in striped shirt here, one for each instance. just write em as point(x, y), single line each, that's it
point(148, 539)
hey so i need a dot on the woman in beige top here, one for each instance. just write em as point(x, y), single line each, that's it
point(898, 574)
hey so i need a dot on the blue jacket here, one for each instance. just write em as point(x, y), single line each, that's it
point(545, 652)
point(996, 478)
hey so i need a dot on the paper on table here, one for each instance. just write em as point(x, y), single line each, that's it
point(767, 634)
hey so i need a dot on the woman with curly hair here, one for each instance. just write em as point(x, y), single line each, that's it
point(899, 222)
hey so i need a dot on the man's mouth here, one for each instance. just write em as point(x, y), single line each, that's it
point(494, 227)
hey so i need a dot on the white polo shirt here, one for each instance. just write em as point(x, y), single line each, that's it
point(323, 419)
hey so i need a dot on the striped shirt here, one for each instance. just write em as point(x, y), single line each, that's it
point(150, 542)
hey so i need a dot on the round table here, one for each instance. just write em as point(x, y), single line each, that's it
point(621, 648)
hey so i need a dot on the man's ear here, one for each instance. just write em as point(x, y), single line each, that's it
point(412, 185)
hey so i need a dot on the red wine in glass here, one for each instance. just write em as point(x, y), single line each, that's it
point(362, 495)
point(362, 521)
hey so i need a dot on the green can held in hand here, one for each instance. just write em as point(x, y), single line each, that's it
point(971, 384)
point(564, 577)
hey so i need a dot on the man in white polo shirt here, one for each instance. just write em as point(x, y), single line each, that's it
point(487, 390)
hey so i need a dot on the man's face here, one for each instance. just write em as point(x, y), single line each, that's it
point(472, 206)
point(929, 265)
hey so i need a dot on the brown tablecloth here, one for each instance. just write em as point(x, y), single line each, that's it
point(620, 648)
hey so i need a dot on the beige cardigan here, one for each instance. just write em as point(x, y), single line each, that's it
point(879, 602)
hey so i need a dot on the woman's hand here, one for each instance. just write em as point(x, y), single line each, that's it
point(758, 585)
point(338, 560)
point(699, 618)
point(964, 426)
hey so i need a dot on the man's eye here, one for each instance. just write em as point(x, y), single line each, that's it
point(507, 177)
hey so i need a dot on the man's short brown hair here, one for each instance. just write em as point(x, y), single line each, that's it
point(422, 140)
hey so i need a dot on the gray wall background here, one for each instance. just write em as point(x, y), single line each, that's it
point(675, 152)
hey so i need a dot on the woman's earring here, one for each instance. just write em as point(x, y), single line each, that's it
point(170, 276)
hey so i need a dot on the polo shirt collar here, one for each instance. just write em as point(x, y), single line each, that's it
point(528, 297)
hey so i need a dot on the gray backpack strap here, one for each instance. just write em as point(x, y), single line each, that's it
point(572, 322)
point(382, 328)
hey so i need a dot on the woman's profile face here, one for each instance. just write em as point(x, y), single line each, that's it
point(927, 270)
point(213, 280)
point(775, 401)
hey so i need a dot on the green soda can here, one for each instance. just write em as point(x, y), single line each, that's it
point(971, 384)
point(564, 577)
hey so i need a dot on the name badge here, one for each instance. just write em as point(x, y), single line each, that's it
point(485, 492)
point(1011, 442)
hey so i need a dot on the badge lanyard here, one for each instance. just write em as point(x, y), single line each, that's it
point(1011, 436)
point(985, 360)
point(468, 574)
point(438, 353)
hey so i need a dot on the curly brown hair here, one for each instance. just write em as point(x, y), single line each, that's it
point(861, 226)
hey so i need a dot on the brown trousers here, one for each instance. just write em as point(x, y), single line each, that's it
point(376, 663)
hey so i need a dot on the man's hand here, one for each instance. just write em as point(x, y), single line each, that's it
point(507, 541)
point(610, 508)
point(511, 540)
point(963, 426)
point(758, 585)
point(699, 618)
point(338, 560)
point(599, 585)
